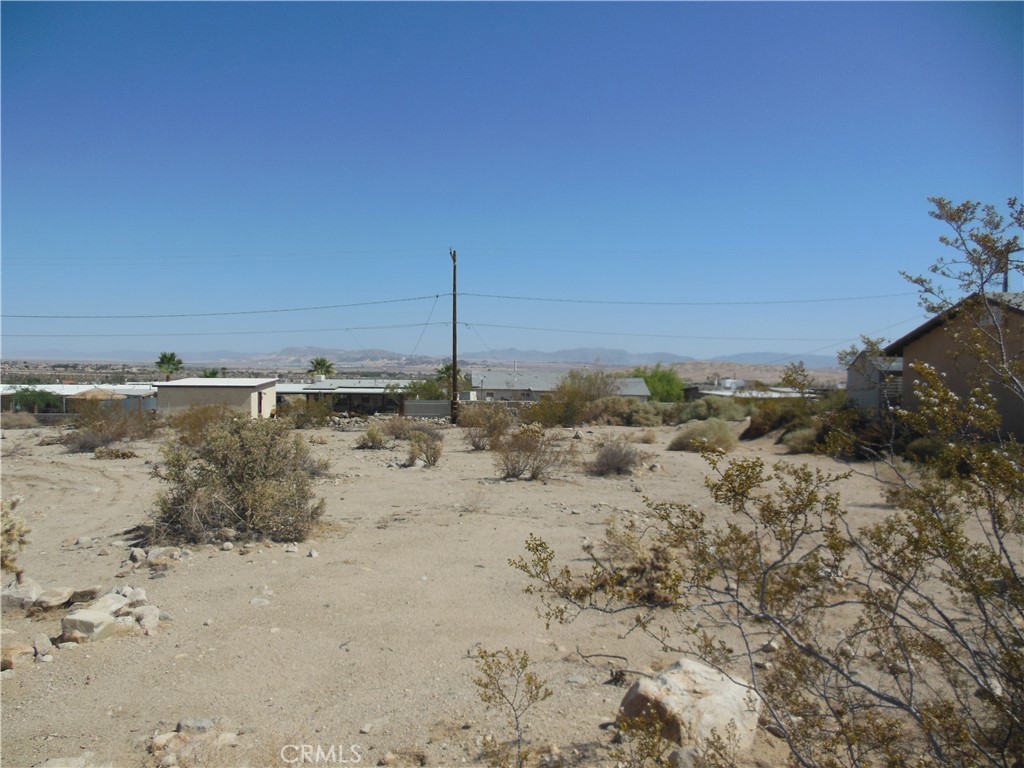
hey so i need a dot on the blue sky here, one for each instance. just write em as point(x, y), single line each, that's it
point(701, 179)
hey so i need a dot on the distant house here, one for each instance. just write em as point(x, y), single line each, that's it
point(356, 395)
point(875, 382)
point(940, 343)
point(257, 397)
point(521, 387)
point(132, 397)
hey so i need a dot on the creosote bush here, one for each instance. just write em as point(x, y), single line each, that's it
point(250, 475)
point(700, 435)
point(374, 439)
point(191, 423)
point(426, 446)
point(615, 458)
point(485, 424)
point(505, 682)
point(528, 451)
point(18, 420)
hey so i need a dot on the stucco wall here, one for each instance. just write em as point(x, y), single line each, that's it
point(245, 399)
point(939, 350)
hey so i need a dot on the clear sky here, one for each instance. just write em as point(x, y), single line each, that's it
point(701, 179)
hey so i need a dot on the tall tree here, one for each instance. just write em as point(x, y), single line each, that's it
point(321, 366)
point(169, 363)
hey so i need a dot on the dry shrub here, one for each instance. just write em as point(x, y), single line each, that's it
point(374, 439)
point(15, 536)
point(615, 458)
point(306, 414)
point(698, 435)
point(191, 423)
point(529, 451)
point(399, 427)
point(647, 437)
point(485, 424)
point(426, 446)
point(19, 420)
point(250, 475)
point(801, 440)
point(107, 452)
point(98, 424)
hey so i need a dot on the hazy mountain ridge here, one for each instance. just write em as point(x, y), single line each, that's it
point(299, 357)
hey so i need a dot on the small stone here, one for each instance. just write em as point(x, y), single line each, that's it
point(290, 548)
point(110, 603)
point(87, 626)
point(168, 761)
point(259, 602)
point(166, 616)
point(312, 553)
point(226, 739)
point(86, 594)
point(54, 597)
point(6, 674)
point(770, 647)
point(208, 623)
point(14, 654)
point(20, 593)
point(83, 542)
point(138, 555)
point(41, 643)
point(44, 659)
point(366, 728)
point(67, 646)
point(172, 741)
point(195, 725)
point(147, 616)
point(227, 546)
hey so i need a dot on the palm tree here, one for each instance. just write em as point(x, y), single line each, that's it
point(210, 373)
point(169, 363)
point(321, 366)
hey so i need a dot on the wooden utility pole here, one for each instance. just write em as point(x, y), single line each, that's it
point(455, 341)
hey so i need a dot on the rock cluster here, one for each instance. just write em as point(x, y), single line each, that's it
point(92, 615)
point(190, 737)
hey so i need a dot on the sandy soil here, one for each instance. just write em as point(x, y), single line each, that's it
point(367, 646)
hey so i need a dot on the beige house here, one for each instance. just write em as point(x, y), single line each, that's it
point(998, 320)
point(253, 396)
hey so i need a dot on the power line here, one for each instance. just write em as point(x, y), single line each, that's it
point(221, 314)
point(690, 303)
point(210, 333)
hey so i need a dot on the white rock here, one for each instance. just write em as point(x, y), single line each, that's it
point(86, 626)
point(20, 593)
point(148, 616)
point(691, 699)
point(110, 603)
point(227, 546)
point(54, 597)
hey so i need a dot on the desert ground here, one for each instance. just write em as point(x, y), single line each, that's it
point(368, 646)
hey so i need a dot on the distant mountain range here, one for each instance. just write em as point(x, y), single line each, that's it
point(299, 357)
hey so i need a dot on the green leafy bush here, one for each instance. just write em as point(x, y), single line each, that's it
point(699, 435)
point(801, 439)
point(568, 403)
point(250, 475)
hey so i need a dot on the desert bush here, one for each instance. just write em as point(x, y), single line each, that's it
point(250, 475)
point(423, 445)
point(647, 437)
point(191, 423)
point(485, 424)
point(18, 420)
point(109, 452)
point(664, 384)
point(567, 404)
point(306, 413)
point(923, 449)
point(505, 682)
point(725, 408)
point(699, 435)
point(399, 427)
point(15, 536)
point(615, 458)
point(374, 439)
point(432, 431)
point(801, 440)
point(528, 451)
point(97, 425)
point(769, 415)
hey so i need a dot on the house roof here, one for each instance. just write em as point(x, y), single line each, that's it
point(1013, 300)
point(356, 386)
point(548, 382)
point(198, 381)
